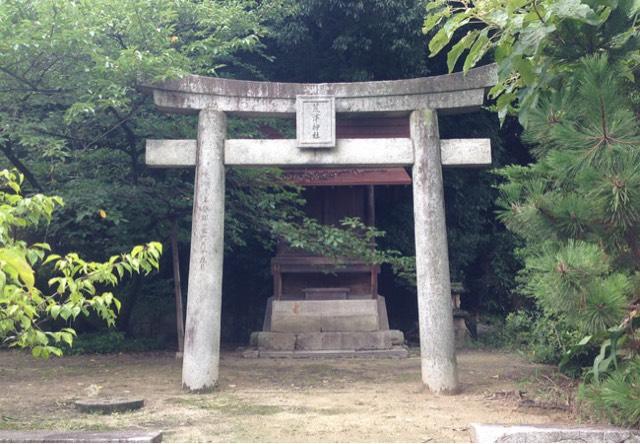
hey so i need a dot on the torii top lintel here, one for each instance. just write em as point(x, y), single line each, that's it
point(456, 92)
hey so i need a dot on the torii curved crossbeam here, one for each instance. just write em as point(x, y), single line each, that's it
point(444, 93)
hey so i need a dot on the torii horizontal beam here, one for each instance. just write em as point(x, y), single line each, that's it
point(448, 93)
point(348, 152)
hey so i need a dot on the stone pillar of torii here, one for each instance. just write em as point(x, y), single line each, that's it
point(314, 107)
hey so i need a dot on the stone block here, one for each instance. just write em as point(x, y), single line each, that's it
point(266, 324)
point(397, 352)
point(396, 337)
point(461, 332)
point(266, 340)
point(375, 340)
point(493, 433)
point(383, 319)
point(317, 316)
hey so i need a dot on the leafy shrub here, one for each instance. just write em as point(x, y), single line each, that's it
point(112, 342)
point(617, 396)
point(74, 287)
point(543, 337)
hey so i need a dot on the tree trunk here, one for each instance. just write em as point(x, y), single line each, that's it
point(177, 284)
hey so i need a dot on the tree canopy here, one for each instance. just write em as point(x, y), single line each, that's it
point(74, 117)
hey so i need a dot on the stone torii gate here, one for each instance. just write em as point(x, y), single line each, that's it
point(314, 107)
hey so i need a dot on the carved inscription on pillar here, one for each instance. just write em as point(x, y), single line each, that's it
point(316, 121)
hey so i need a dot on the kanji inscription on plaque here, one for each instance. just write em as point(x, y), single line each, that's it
point(316, 121)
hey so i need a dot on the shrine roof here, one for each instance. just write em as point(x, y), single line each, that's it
point(347, 176)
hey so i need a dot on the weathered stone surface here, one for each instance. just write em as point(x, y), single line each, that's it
point(396, 352)
point(467, 153)
point(437, 343)
point(325, 293)
point(450, 91)
point(39, 436)
point(316, 121)
point(108, 406)
point(344, 340)
point(204, 298)
point(396, 336)
point(267, 340)
point(383, 318)
point(373, 340)
point(459, 153)
point(266, 323)
point(171, 153)
point(461, 332)
point(494, 433)
point(316, 316)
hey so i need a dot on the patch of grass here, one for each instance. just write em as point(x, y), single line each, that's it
point(228, 406)
point(61, 424)
point(302, 410)
point(231, 406)
point(319, 368)
point(403, 377)
point(333, 411)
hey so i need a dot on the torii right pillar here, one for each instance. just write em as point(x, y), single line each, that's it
point(435, 310)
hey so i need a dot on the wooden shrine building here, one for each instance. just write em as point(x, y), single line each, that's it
point(320, 307)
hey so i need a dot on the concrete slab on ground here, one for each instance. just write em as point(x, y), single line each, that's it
point(32, 436)
point(494, 433)
point(110, 405)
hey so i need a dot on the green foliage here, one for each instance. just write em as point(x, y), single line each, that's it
point(536, 43)
point(617, 397)
point(578, 206)
point(73, 113)
point(543, 337)
point(74, 116)
point(578, 211)
point(344, 40)
point(576, 280)
point(351, 239)
point(111, 342)
point(76, 286)
point(570, 67)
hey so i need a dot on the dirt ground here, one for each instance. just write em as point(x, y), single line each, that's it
point(281, 400)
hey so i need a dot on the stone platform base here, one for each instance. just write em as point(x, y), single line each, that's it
point(75, 436)
point(397, 351)
point(491, 433)
point(331, 340)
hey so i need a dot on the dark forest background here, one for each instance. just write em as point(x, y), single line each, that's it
point(113, 201)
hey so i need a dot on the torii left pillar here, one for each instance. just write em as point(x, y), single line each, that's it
point(202, 334)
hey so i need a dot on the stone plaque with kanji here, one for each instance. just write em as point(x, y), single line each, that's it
point(316, 121)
